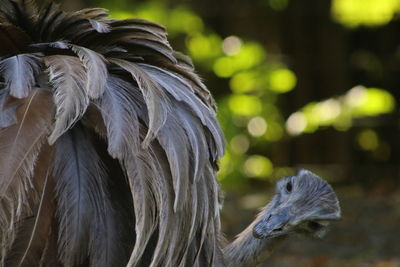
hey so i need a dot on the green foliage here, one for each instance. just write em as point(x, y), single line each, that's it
point(353, 13)
point(340, 111)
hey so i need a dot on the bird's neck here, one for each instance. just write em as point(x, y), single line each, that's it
point(246, 250)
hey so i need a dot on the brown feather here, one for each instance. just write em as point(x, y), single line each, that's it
point(20, 145)
point(34, 232)
point(13, 40)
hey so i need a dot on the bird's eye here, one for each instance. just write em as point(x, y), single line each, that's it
point(289, 187)
point(314, 225)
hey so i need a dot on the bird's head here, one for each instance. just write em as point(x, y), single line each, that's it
point(303, 204)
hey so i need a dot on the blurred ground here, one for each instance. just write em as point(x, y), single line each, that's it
point(368, 235)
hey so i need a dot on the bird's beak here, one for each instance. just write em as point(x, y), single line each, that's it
point(273, 225)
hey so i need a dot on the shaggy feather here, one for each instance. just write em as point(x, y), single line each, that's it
point(120, 106)
point(8, 114)
point(68, 78)
point(96, 18)
point(96, 70)
point(33, 232)
point(121, 79)
point(140, 173)
point(19, 73)
point(82, 195)
point(157, 103)
point(174, 142)
point(19, 148)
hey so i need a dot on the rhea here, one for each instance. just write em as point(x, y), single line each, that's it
point(109, 148)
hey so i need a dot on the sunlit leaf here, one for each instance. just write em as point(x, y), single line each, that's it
point(374, 101)
point(352, 13)
point(245, 105)
point(339, 111)
point(244, 82)
point(204, 47)
point(250, 55)
point(282, 80)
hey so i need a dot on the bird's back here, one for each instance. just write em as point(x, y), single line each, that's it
point(108, 144)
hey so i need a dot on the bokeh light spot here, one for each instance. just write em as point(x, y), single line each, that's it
point(257, 126)
point(258, 166)
point(282, 80)
point(278, 5)
point(296, 123)
point(327, 111)
point(203, 47)
point(243, 82)
point(245, 105)
point(240, 144)
point(353, 13)
point(368, 140)
point(375, 101)
point(274, 131)
point(231, 45)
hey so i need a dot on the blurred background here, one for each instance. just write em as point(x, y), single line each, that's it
point(299, 84)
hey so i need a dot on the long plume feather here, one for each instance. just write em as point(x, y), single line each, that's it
point(67, 76)
point(19, 148)
point(82, 195)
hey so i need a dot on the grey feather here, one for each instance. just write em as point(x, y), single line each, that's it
point(19, 73)
point(100, 26)
point(174, 142)
point(96, 70)
point(120, 108)
point(82, 195)
point(157, 104)
point(8, 114)
point(68, 78)
point(182, 90)
point(140, 173)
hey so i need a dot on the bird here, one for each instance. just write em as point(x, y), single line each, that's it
point(303, 204)
point(109, 148)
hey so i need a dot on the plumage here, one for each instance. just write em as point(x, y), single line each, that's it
point(147, 110)
point(33, 231)
point(109, 144)
point(8, 114)
point(81, 191)
point(68, 79)
point(19, 73)
point(20, 144)
point(157, 103)
point(96, 70)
